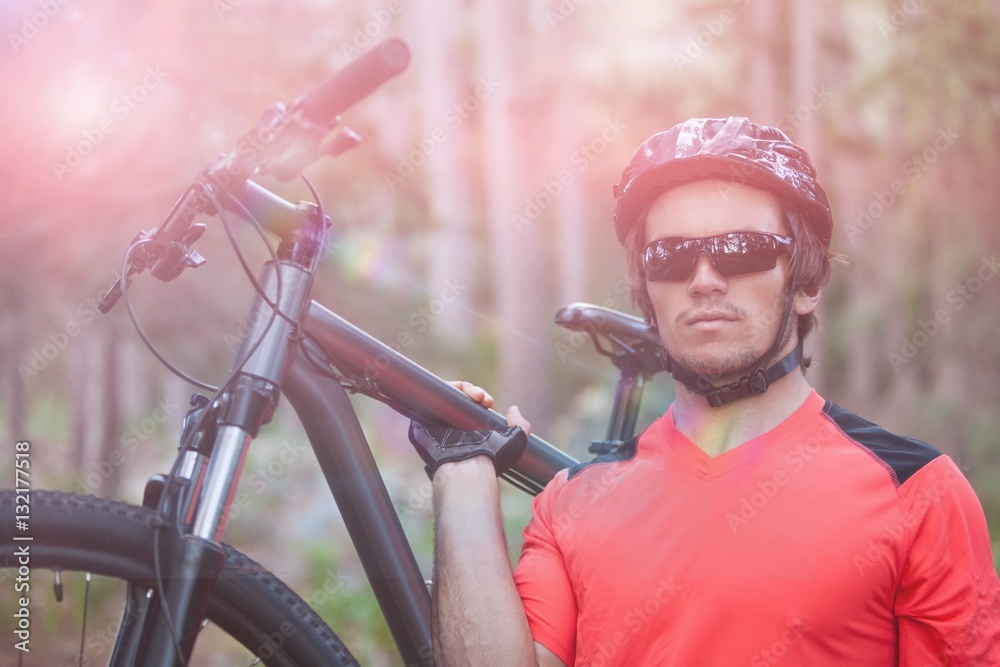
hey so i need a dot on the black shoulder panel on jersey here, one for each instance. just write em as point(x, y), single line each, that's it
point(904, 456)
point(624, 453)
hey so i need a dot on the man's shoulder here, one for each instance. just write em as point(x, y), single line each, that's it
point(625, 452)
point(901, 455)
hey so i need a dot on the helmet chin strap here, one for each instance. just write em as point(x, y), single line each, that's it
point(762, 376)
point(755, 382)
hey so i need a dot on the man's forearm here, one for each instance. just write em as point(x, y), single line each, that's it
point(477, 614)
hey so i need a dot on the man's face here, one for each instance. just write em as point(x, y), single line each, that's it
point(716, 326)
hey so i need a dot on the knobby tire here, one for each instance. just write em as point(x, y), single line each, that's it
point(113, 539)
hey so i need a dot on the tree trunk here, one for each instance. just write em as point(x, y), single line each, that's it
point(453, 259)
point(570, 245)
point(111, 421)
point(516, 261)
point(805, 69)
point(763, 90)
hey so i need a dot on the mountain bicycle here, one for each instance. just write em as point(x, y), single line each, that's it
point(178, 574)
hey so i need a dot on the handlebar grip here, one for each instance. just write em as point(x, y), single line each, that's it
point(354, 82)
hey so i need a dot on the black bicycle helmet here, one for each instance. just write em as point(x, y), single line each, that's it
point(731, 149)
point(727, 148)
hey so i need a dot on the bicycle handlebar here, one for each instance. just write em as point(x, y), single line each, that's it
point(354, 82)
point(296, 140)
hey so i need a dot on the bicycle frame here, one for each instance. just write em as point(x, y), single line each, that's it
point(346, 460)
point(193, 560)
point(342, 450)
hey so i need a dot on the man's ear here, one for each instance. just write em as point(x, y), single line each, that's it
point(806, 300)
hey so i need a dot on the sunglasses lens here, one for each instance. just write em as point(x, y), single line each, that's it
point(668, 260)
point(735, 265)
point(731, 254)
point(736, 254)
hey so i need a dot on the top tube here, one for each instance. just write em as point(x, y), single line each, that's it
point(424, 395)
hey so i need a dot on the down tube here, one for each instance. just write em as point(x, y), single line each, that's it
point(346, 459)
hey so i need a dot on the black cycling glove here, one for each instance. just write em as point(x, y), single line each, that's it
point(442, 444)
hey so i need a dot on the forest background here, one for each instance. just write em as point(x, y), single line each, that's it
point(477, 205)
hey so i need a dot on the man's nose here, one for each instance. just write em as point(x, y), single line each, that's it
point(706, 279)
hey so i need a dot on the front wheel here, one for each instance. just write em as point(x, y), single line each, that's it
point(114, 541)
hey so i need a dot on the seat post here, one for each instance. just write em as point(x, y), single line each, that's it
point(625, 410)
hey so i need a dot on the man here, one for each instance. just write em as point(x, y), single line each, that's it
point(754, 523)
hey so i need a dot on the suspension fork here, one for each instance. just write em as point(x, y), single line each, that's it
point(162, 633)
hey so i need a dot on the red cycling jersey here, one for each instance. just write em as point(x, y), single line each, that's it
point(826, 541)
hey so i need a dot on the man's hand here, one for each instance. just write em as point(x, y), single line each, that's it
point(442, 444)
point(476, 393)
point(438, 445)
point(479, 395)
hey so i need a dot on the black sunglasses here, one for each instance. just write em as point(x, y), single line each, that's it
point(731, 254)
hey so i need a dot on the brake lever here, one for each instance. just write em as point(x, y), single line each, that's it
point(168, 260)
point(178, 255)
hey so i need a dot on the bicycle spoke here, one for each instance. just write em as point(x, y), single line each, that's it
point(57, 586)
point(83, 628)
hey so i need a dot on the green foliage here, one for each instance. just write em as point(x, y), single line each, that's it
point(345, 601)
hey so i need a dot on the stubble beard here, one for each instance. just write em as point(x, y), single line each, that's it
point(721, 369)
point(738, 362)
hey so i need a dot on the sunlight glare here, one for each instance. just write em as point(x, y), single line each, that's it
point(82, 102)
